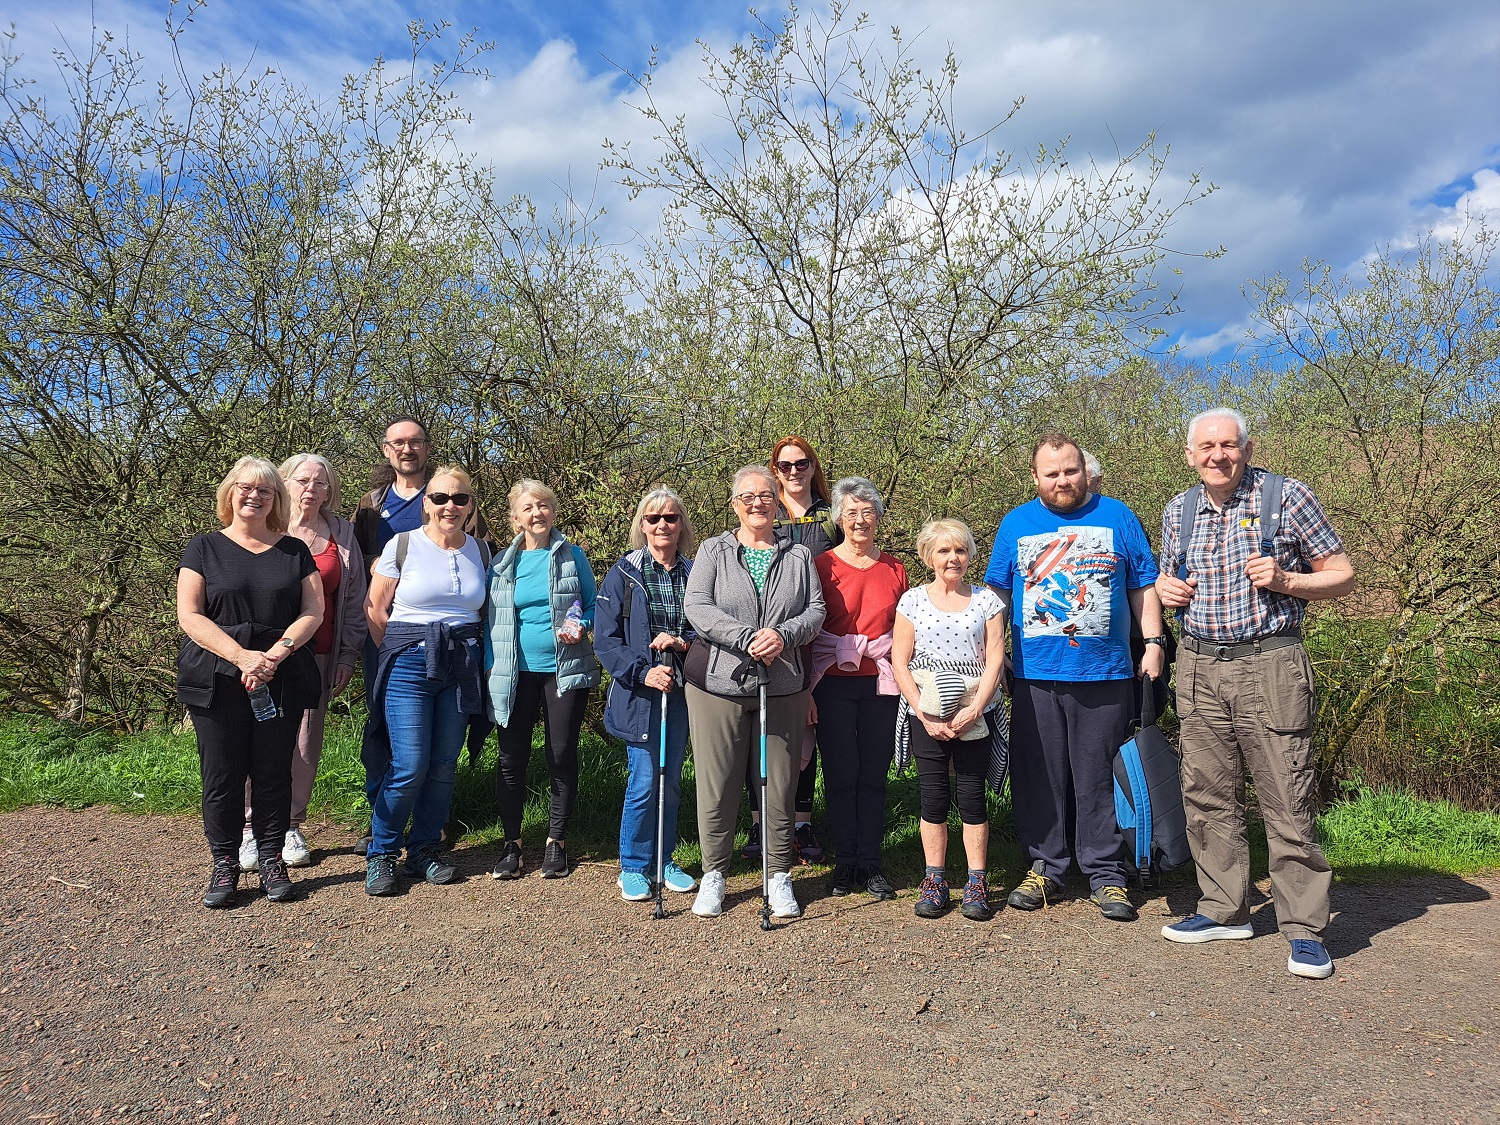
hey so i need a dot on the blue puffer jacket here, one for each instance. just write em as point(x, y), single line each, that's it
point(622, 642)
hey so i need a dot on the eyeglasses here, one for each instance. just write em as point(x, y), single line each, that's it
point(748, 498)
point(259, 490)
point(406, 443)
point(309, 485)
point(787, 468)
point(457, 499)
point(668, 518)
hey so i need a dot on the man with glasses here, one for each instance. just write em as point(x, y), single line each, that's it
point(382, 514)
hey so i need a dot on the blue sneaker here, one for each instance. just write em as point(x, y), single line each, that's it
point(1197, 928)
point(676, 879)
point(1309, 959)
point(634, 887)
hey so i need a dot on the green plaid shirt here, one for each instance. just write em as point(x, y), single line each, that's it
point(666, 589)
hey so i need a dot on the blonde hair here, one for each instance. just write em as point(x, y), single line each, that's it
point(939, 532)
point(657, 496)
point(335, 498)
point(260, 471)
point(521, 488)
point(458, 473)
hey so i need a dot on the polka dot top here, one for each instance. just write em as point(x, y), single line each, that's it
point(950, 636)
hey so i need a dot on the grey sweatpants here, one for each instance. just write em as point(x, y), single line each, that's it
point(726, 735)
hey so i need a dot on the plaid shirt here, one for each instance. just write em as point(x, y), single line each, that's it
point(666, 588)
point(1226, 608)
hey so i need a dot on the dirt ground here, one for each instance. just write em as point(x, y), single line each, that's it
point(553, 1001)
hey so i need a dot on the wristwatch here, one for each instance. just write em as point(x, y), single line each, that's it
point(286, 643)
point(1161, 640)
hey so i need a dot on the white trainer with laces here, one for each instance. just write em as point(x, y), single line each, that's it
point(783, 901)
point(294, 851)
point(710, 900)
point(249, 852)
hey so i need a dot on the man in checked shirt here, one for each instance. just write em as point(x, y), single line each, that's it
point(1245, 687)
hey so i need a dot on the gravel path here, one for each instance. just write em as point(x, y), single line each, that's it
point(556, 1002)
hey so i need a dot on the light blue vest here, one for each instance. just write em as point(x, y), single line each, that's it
point(576, 666)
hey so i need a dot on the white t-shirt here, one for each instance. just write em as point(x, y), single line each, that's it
point(950, 636)
point(435, 584)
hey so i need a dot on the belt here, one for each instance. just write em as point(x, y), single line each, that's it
point(1241, 648)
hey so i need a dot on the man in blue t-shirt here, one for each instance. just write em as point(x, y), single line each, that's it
point(1072, 569)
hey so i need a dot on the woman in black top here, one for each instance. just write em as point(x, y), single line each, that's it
point(248, 598)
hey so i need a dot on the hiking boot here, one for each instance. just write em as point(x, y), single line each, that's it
point(274, 879)
point(676, 879)
point(1035, 890)
point(710, 900)
point(933, 901)
point(223, 883)
point(842, 881)
point(1309, 959)
point(510, 864)
point(808, 848)
point(634, 887)
point(555, 860)
point(1114, 904)
point(976, 905)
point(249, 852)
point(1196, 928)
point(425, 864)
point(783, 900)
point(295, 850)
point(751, 850)
point(380, 875)
point(878, 886)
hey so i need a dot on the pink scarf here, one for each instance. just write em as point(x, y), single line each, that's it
point(848, 652)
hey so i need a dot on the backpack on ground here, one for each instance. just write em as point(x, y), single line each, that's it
point(1148, 798)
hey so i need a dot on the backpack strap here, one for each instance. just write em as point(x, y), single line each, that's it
point(1270, 511)
point(1191, 499)
point(403, 544)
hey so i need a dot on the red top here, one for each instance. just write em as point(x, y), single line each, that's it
point(860, 601)
point(331, 572)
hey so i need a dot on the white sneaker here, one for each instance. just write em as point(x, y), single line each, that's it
point(783, 901)
point(295, 852)
point(710, 900)
point(249, 852)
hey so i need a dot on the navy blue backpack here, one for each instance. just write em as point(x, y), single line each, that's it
point(1148, 798)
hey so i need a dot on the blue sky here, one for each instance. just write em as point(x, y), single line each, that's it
point(1331, 128)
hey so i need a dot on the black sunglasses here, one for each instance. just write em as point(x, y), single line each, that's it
point(669, 518)
point(460, 499)
point(801, 465)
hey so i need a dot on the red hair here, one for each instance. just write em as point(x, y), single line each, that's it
point(819, 483)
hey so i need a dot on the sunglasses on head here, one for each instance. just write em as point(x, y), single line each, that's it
point(787, 468)
point(668, 518)
point(459, 499)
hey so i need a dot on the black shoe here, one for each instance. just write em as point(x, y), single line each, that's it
point(425, 864)
point(1114, 904)
point(380, 875)
point(1035, 890)
point(363, 847)
point(842, 881)
point(808, 849)
point(274, 879)
point(555, 861)
point(223, 883)
point(509, 865)
point(751, 850)
point(876, 884)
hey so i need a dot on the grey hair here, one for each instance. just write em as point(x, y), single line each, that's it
point(753, 471)
point(855, 488)
point(1219, 413)
point(658, 497)
point(1092, 467)
point(335, 499)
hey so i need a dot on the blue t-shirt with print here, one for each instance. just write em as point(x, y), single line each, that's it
point(1068, 573)
point(398, 514)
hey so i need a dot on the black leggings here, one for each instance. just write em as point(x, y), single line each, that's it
point(562, 719)
point(970, 762)
point(233, 746)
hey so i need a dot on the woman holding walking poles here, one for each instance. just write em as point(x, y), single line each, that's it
point(754, 600)
point(640, 636)
point(948, 653)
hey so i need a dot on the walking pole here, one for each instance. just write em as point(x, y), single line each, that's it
point(763, 676)
point(661, 810)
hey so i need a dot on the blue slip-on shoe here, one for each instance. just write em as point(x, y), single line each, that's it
point(676, 879)
point(634, 887)
point(1196, 928)
point(1309, 959)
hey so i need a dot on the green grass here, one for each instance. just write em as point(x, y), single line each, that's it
point(1373, 835)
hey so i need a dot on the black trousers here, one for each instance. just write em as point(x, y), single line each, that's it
point(233, 746)
point(857, 734)
point(562, 719)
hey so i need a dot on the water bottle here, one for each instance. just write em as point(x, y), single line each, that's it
point(572, 630)
point(262, 705)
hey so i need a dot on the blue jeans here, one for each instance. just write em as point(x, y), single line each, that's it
point(638, 817)
point(427, 735)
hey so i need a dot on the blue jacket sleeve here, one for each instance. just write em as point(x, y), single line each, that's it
point(586, 585)
point(611, 645)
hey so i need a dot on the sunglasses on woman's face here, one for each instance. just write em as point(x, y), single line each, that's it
point(458, 499)
point(787, 468)
point(668, 518)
